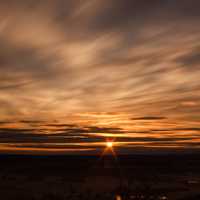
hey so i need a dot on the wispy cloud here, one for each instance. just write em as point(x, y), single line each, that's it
point(104, 67)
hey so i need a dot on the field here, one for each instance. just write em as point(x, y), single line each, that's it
point(91, 177)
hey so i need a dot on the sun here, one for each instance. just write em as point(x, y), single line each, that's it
point(109, 144)
point(109, 148)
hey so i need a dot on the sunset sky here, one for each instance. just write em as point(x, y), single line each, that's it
point(76, 73)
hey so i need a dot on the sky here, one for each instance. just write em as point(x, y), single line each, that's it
point(74, 74)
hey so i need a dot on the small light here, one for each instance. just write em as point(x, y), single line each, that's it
point(118, 197)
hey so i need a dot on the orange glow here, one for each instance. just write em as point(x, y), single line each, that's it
point(109, 144)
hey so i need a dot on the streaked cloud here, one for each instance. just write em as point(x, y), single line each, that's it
point(88, 70)
point(149, 118)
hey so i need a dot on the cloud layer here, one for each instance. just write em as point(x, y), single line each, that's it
point(78, 72)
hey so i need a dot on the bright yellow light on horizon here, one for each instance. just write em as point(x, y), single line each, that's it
point(109, 148)
point(109, 144)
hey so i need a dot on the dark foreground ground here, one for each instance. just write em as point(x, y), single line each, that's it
point(90, 177)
